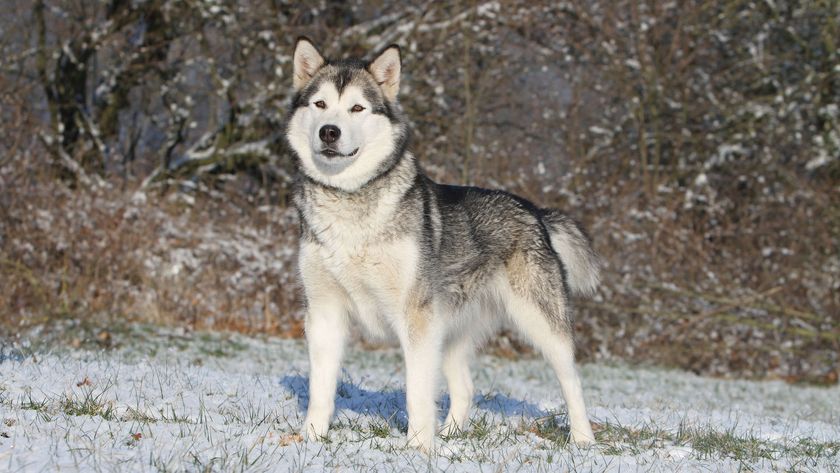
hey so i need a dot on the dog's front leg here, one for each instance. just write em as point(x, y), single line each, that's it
point(326, 334)
point(422, 360)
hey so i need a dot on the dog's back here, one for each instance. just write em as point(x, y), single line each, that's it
point(482, 230)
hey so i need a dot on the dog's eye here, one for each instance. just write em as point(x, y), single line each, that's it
point(320, 104)
point(357, 108)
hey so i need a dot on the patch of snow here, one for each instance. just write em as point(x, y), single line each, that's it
point(182, 403)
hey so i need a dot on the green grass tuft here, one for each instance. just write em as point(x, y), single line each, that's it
point(89, 404)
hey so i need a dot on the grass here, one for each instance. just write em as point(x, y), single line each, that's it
point(551, 429)
point(480, 428)
point(33, 405)
point(172, 417)
point(88, 404)
point(177, 416)
point(135, 415)
point(709, 443)
point(378, 429)
point(480, 436)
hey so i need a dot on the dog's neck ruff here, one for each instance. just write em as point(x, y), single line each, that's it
point(337, 219)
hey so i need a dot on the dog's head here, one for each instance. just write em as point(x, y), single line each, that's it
point(345, 126)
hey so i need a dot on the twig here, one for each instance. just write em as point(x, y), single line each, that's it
point(720, 314)
point(744, 302)
point(69, 163)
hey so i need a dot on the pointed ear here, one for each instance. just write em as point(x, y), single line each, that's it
point(386, 71)
point(307, 61)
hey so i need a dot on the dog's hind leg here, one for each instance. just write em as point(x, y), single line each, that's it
point(558, 349)
point(562, 357)
point(539, 314)
point(456, 369)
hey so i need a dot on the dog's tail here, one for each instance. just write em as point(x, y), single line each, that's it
point(574, 247)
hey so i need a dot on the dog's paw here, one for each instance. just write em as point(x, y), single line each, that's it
point(583, 439)
point(451, 427)
point(314, 430)
point(423, 442)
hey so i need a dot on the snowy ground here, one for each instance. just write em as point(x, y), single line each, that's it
point(209, 402)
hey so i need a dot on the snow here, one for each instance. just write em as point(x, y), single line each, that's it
point(175, 401)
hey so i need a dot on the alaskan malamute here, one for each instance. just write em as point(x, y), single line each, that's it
point(439, 268)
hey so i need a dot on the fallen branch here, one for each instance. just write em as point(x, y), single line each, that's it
point(747, 302)
point(721, 314)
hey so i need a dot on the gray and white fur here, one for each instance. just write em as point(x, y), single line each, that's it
point(439, 268)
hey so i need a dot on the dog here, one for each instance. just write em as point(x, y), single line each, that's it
point(439, 268)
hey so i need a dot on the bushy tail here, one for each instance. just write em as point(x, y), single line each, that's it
point(572, 244)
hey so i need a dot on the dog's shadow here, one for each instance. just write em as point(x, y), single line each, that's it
point(390, 404)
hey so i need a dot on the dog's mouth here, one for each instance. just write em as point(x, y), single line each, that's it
point(334, 153)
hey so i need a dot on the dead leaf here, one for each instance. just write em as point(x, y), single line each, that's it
point(289, 439)
point(104, 338)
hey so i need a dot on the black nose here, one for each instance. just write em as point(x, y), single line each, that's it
point(329, 133)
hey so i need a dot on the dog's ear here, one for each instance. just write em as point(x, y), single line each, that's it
point(386, 71)
point(307, 61)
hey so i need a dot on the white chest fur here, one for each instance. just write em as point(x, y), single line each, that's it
point(359, 250)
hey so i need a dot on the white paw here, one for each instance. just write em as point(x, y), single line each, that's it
point(451, 427)
point(423, 440)
point(584, 439)
point(314, 430)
